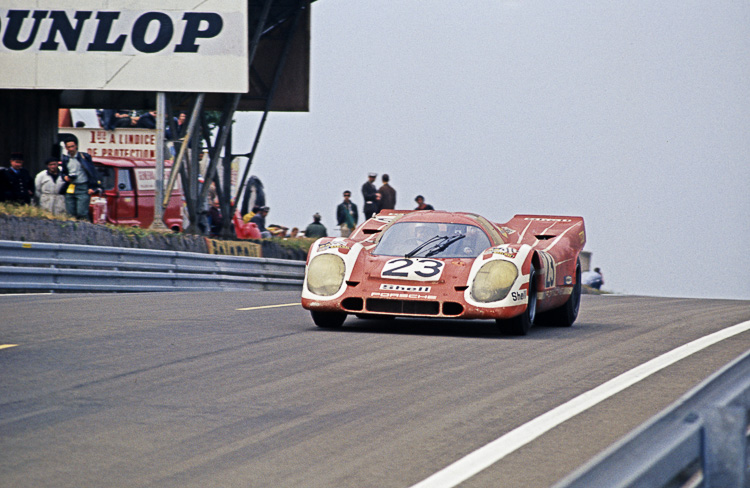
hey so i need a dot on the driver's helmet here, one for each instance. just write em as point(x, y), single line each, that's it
point(469, 244)
point(424, 231)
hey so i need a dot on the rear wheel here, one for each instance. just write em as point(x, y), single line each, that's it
point(328, 320)
point(567, 314)
point(521, 324)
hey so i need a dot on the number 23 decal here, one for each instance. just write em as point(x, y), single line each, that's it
point(413, 269)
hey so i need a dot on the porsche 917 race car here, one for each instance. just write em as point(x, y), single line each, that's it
point(454, 265)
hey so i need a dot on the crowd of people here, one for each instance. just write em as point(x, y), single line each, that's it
point(347, 213)
point(66, 186)
point(376, 199)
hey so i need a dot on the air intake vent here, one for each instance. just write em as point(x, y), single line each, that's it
point(403, 306)
point(352, 303)
point(452, 308)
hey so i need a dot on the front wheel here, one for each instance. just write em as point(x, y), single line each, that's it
point(328, 320)
point(521, 324)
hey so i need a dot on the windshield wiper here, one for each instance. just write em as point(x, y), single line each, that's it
point(424, 244)
point(444, 245)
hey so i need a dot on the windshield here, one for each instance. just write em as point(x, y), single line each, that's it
point(432, 239)
point(106, 176)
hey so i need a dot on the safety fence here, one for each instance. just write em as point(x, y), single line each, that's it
point(30, 266)
point(701, 441)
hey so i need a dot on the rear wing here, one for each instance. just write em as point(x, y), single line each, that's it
point(528, 229)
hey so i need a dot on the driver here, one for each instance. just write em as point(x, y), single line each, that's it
point(469, 244)
point(424, 232)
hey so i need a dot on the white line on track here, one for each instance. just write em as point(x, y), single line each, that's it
point(271, 306)
point(23, 294)
point(491, 453)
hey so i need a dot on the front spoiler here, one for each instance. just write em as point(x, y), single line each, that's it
point(411, 307)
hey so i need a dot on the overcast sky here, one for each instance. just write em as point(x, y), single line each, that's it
point(634, 115)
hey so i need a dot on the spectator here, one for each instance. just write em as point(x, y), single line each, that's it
point(347, 215)
point(16, 183)
point(387, 194)
point(421, 205)
point(48, 184)
point(259, 219)
point(214, 218)
point(181, 125)
point(122, 118)
point(369, 193)
point(316, 229)
point(107, 119)
point(294, 233)
point(147, 120)
point(594, 279)
point(83, 180)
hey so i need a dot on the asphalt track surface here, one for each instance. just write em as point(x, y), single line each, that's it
point(242, 390)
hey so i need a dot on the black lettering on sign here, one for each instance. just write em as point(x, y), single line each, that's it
point(69, 34)
point(193, 31)
point(151, 32)
point(100, 43)
point(163, 36)
point(15, 21)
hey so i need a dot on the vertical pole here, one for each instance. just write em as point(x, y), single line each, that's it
point(269, 100)
point(185, 142)
point(158, 223)
point(227, 206)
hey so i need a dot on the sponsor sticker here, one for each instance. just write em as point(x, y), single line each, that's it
point(519, 296)
point(538, 219)
point(506, 251)
point(333, 245)
point(402, 295)
point(412, 289)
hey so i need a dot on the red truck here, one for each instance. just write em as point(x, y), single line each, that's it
point(125, 159)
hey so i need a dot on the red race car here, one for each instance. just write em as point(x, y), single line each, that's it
point(451, 265)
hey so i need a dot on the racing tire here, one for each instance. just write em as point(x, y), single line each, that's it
point(328, 320)
point(565, 315)
point(521, 324)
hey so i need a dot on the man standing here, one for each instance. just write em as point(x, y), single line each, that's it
point(16, 182)
point(83, 181)
point(259, 219)
point(387, 195)
point(316, 229)
point(369, 192)
point(48, 184)
point(421, 205)
point(347, 215)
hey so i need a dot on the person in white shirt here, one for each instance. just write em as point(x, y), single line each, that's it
point(47, 186)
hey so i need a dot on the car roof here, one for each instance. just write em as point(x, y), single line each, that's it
point(441, 216)
point(371, 229)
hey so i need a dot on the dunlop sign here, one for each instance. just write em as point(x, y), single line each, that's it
point(124, 45)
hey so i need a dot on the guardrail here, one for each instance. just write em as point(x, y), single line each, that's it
point(700, 441)
point(65, 267)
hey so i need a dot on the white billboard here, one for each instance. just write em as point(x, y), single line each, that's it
point(124, 45)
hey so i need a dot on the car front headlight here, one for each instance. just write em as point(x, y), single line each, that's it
point(493, 281)
point(325, 273)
